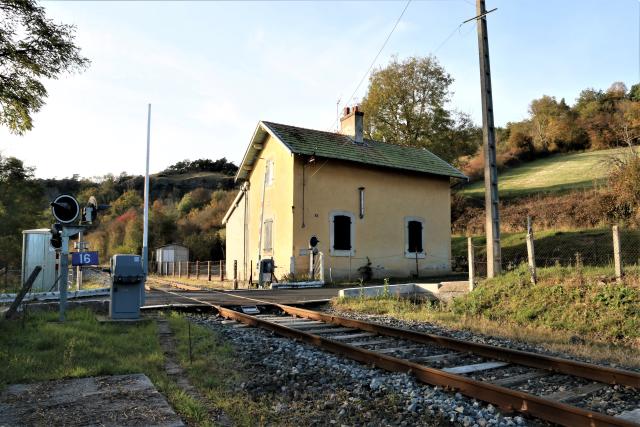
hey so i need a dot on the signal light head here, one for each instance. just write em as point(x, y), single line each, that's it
point(65, 208)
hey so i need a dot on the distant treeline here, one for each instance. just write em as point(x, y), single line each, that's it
point(185, 209)
point(597, 120)
point(165, 184)
point(201, 165)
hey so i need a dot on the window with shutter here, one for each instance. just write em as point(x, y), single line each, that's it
point(342, 233)
point(269, 172)
point(267, 236)
point(415, 236)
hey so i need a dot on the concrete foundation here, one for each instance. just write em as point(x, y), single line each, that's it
point(442, 290)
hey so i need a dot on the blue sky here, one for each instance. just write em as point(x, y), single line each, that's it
point(212, 70)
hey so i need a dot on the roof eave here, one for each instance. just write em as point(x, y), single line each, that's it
point(250, 156)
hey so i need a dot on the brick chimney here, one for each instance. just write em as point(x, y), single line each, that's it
point(351, 123)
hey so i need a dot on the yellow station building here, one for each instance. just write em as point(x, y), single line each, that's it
point(363, 200)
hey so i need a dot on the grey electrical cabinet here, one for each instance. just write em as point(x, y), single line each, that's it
point(127, 286)
point(37, 250)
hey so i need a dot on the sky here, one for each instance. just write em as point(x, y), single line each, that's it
point(213, 70)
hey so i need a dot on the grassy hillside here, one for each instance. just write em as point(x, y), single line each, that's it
point(556, 173)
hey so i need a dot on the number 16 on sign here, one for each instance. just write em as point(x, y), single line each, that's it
point(84, 258)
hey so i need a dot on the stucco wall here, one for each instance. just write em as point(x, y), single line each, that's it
point(278, 202)
point(234, 241)
point(390, 196)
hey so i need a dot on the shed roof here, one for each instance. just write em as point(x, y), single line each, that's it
point(338, 146)
point(171, 244)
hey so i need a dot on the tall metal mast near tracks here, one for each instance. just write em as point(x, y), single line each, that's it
point(492, 230)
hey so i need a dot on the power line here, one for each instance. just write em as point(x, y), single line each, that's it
point(377, 55)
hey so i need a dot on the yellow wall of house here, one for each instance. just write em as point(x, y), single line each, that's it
point(390, 196)
point(278, 200)
point(235, 243)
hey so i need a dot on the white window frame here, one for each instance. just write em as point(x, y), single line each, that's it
point(342, 252)
point(270, 172)
point(408, 253)
point(267, 251)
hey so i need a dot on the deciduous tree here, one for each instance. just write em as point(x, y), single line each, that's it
point(32, 48)
point(406, 104)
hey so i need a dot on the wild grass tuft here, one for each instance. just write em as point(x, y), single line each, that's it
point(587, 313)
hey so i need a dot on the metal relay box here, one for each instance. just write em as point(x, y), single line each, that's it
point(127, 286)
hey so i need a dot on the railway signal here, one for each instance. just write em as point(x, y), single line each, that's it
point(66, 210)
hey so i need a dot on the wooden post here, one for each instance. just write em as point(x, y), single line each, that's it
point(221, 272)
point(472, 267)
point(531, 252)
point(26, 287)
point(197, 270)
point(616, 253)
point(209, 270)
point(235, 274)
point(173, 269)
point(188, 270)
point(179, 268)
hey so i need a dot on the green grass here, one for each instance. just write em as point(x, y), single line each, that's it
point(41, 348)
point(216, 372)
point(557, 173)
point(44, 349)
point(586, 302)
point(583, 311)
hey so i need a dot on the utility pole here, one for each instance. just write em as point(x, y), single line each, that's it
point(145, 216)
point(494, 266)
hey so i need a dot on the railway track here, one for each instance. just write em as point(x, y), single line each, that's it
point(509, 379)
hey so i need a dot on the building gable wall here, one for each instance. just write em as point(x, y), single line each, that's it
point(278, 200)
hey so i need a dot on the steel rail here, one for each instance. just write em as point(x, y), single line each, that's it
point(506, 399)
point(571, 367)
point(549, 363)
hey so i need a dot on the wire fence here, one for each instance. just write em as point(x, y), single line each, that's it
point(612, 250)
point(92, 278)
point(198, 270)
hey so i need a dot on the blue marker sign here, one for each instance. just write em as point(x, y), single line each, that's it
point(84, 258)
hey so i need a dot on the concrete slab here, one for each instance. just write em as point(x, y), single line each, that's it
point(476, 367)
point(442, 290)
point(117, 400)
point(424, 290)
point(633, 415)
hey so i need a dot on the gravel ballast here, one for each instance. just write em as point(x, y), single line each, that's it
point(309, 386)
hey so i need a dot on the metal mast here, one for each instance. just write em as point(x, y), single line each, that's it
point(489, 141)
point(145, 225)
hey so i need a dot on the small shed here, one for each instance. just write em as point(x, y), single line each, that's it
point(168, 254)
point(37, 250)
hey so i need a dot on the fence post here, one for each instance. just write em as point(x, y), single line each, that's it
point(179, 268)
point(531, 252)
point(209, 270)
point(617, 261)
point(472, 267)
point(235, 274)
point(197, 270)
point(173, 269)
point(188, 270)
point(221, 272)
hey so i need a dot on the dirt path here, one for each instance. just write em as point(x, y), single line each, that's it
point(179, 376)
